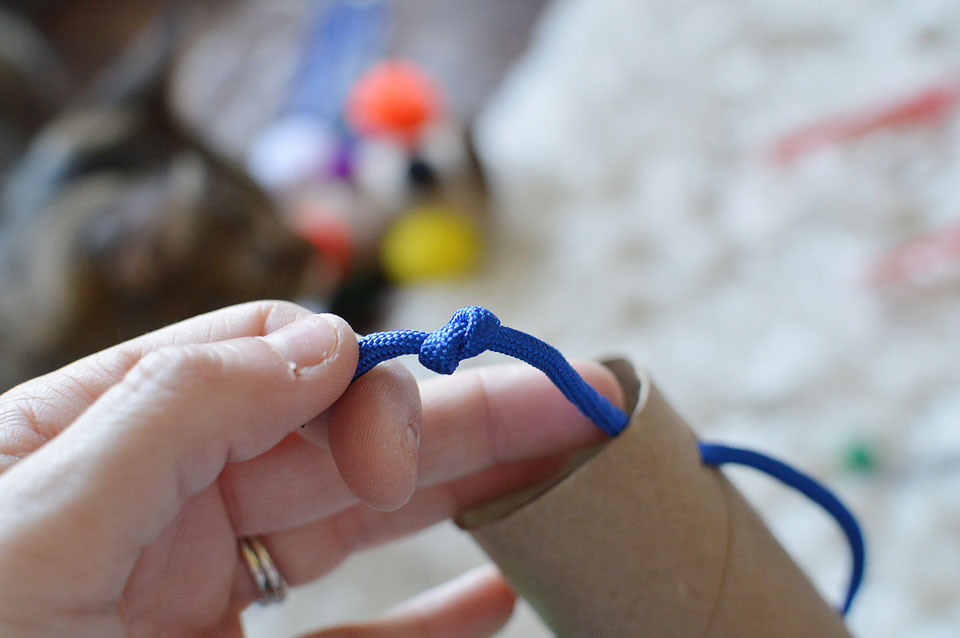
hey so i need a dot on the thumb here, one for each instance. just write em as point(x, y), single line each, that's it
point(126, 466)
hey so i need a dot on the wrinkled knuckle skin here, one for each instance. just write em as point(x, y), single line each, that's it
point(175, 368)
point(21, 433)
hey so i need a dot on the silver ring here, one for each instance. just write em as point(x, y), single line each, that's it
point(270, 583)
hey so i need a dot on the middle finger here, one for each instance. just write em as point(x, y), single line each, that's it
point(472, 421)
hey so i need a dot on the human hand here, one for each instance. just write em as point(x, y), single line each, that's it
point(128, 476)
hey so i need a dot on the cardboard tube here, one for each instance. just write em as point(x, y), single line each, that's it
point(642, 539)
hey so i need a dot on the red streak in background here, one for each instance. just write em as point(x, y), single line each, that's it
point(927, 106)
point(918, 258)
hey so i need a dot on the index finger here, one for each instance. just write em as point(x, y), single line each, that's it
point(41, 408)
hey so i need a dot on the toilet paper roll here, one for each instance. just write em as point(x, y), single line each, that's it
point(642, 539)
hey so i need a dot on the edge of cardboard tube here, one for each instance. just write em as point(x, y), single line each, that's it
point(705, 564)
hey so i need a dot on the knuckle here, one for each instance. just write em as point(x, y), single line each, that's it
point(351, 531)
point(497, 434)
point(21, 431)
point(274, 313)
point(20, 410)
point(270, 306)
point(173, 368)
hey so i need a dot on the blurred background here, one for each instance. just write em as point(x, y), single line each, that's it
point(758, 200)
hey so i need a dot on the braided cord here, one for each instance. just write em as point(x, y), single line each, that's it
point(716, 455)
point(474, 330)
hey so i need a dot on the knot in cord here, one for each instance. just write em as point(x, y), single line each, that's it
point(471, 331)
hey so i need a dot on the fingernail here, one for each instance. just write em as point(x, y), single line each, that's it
point(306, 342)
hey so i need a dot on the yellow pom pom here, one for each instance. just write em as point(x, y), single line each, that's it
point(429, 244)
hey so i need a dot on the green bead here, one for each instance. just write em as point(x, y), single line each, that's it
point(860, 457)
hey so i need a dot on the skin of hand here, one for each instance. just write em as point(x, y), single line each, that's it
point(127, 477)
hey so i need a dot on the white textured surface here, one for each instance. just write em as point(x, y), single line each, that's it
point(639, 216)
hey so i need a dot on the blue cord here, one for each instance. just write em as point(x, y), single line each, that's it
point(474, 330)
point(713, 454)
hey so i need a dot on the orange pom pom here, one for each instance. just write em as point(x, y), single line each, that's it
point(393, 99)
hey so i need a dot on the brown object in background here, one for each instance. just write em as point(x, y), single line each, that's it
point(115, 222)
point(33, 84)
point(642, 539)
point(89, 33)
point(114, 225)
